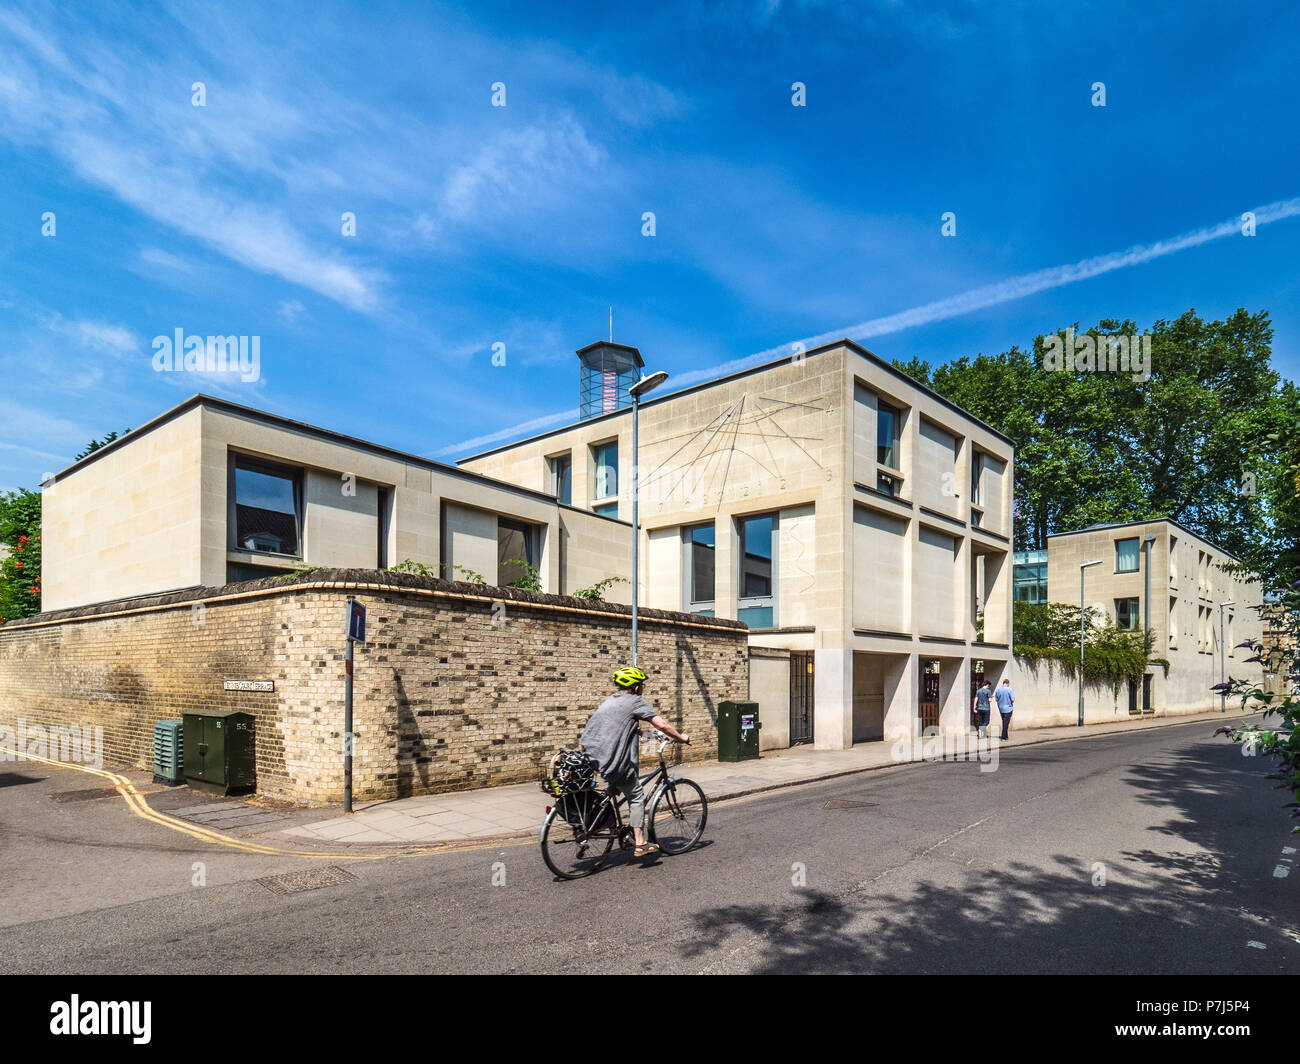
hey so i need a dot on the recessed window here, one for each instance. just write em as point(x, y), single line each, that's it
point(609, 509)
point(605, 461)
point(757, 543)
point(888, 420)
point(1126, 614)
point(699, 576)
point(976, 475)
point(1127, 555)
point(562, 478)
point(266, 507)
point(887, 484)
point(516, 544)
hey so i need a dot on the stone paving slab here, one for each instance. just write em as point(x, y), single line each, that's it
point(518, 810)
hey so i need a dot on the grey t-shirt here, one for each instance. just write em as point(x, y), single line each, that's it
point(609, 733)
point(982, 699)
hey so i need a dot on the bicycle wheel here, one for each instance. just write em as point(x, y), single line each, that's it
point(678, 814)
point(569, 852)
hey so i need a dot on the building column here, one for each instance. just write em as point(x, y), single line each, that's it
point(954, 694)
point(833, 699)
point(902, 696)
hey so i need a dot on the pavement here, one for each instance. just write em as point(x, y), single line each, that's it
point(517, 811)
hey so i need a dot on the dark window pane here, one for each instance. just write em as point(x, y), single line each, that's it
point(887, 484)
point(1126, 613)
point(562, 478)
point(887, 435)
point(266, 517)
point(756, 557)
point(702, 564)
point(756, 616)
point(606, 470)
point(515, 543)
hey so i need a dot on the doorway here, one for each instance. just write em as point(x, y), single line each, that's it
point(801, 696)
point(929, 707)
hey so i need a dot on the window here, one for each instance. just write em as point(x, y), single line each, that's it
point(757, 598)
point(516, 543)
point(1173, 561)
point(1173, 623)
point(887, 425)
point(609, 509)
point(266, 507)
point(1126, 614)
point(976, 472)
point(887, 484)
point(562, 478)
point(1127, 555)
point(605, 456)
point(698, 572)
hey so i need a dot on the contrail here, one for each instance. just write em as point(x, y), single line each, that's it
point(954, 306)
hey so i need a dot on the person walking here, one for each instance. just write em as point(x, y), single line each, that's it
point(982, 708)
point(1006, 698)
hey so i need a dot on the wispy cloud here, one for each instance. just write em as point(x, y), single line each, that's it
point(992, 295)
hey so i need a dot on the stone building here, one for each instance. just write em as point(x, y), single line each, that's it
point(856, 521)
point(1151, 574)
point(211, 492)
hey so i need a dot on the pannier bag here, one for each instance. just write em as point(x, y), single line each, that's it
point(585, 810)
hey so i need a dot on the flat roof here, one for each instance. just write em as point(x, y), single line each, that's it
point(1148, 521)
point(845, 342)
point(240, 410)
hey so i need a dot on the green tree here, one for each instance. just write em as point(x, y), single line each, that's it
point(1197, 442)
point(20, 569)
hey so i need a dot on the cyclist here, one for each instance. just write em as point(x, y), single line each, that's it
point(610, 740)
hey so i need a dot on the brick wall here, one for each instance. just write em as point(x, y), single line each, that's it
point(458, 685)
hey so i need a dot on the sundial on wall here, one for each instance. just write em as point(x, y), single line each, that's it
point(750, 447)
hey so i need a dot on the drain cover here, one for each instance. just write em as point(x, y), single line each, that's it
point(848, 803)
point(84, 795)
point(309, 879)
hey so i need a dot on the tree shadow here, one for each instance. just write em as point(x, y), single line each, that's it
point(1149, 913)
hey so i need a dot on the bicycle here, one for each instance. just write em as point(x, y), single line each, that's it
point(675, 817)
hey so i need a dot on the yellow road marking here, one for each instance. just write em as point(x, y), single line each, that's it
point(136, 803)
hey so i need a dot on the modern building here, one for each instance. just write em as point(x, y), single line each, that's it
point(1151, 574)
point(212, 492)
point(858, 523)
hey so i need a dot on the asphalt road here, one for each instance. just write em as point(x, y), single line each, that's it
point(1147, 852)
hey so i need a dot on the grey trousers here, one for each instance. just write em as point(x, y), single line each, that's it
point(631, 788)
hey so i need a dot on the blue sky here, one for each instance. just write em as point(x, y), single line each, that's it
point(522, 224)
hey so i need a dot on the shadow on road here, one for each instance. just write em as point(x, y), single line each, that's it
point(1171, 911)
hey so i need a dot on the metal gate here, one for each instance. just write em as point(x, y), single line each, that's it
point(929, 700)
point(801, 697)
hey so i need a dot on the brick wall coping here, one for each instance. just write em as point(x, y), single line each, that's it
point(371, 580)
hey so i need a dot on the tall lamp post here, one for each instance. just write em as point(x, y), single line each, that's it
point(640, 388)
point(1082, 619)
point(1223, 660)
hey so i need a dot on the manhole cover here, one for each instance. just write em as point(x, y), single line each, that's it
point(309, 879)
point(848, 803)
point(84, 795)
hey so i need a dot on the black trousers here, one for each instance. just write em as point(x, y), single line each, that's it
point(1006, 723)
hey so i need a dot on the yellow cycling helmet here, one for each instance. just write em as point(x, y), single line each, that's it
point(629, 676)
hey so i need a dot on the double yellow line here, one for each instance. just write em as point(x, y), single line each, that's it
point(135, 801)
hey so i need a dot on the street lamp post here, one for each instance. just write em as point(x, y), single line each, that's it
point(1082, 618)
point(640, 388)
point(1223, 660)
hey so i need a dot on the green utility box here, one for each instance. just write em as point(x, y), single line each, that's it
point(737, 731)
point(219, 751)
point(167, 753)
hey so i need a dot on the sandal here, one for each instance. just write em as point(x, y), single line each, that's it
point(646, 850)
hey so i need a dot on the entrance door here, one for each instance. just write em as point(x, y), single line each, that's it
point(801, 697)
point(1146, 693)
point(976, 680)
point(1133, 697)
point(929, 708)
